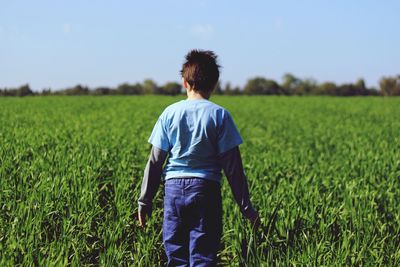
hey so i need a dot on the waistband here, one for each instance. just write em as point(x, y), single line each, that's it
point(191, 180)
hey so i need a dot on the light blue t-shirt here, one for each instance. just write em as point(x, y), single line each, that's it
point(194, 132)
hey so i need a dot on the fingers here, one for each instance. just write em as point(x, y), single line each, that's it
point(142, 219)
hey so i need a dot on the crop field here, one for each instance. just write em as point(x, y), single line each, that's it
point(324, 173)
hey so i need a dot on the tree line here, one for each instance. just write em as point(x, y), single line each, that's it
point(290, 85)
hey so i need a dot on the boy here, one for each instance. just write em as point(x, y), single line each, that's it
point(200, 138)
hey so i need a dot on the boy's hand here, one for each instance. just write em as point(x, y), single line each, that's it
point(142, 219)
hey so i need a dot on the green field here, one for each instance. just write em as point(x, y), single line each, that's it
point(324, 173)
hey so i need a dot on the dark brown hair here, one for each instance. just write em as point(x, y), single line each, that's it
point(201, 71)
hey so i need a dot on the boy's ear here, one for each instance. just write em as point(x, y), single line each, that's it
point(185, 84)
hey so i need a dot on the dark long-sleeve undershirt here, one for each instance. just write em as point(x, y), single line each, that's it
point(151, 179)
point(231, 163)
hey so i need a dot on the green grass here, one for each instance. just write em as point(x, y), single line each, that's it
point(323, 172)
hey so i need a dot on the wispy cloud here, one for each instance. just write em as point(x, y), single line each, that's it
point(13, 32)
point(67, 28)
point(203, 30)
point(202, 3)
point(278, 24)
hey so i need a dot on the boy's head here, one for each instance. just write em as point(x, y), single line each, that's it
point(201, 71)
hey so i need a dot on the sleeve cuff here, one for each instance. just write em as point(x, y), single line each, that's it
point(225, 149)
point(158, 146)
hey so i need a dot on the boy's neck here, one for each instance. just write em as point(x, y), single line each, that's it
point(192, 95)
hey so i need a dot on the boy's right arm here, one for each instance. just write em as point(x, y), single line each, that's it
point(151, 180)
point(232, 165)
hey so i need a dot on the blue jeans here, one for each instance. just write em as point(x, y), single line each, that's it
point(192, 223)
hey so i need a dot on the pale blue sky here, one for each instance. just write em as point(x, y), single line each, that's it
point(104, 43)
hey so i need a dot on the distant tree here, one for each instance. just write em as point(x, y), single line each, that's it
point(326, 88)
point(360, 88)
point(228, 89)
point(102, 91)
point(129, 89)
point(4, 92)
point(305, 87)
point(77, 90)
point(236, 91)
point(373, 91)
point(261, 86)
point(349, 89)
point(218, 89)
point(172, 88)
point(23, 90)
point(150, 87)
point(346, 89)
point(360, 84)
point(46, 91)
point(290, 84)
point(390, 86)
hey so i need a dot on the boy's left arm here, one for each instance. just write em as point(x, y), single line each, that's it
point(231, 162)
point(151, 181)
